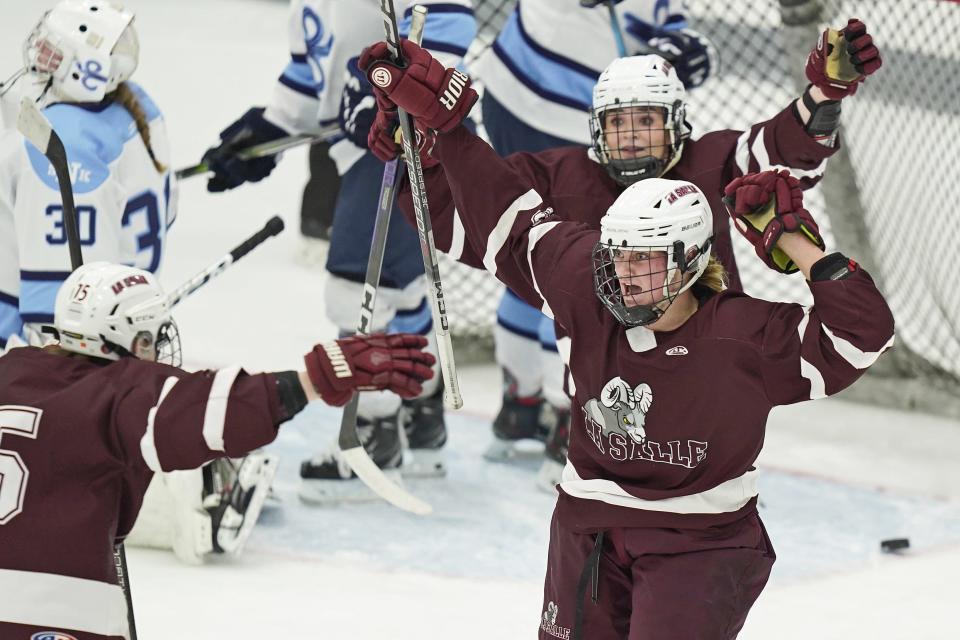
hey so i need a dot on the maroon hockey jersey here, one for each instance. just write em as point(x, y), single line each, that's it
point(666, 425)
point(79, 442)
point(581, 189)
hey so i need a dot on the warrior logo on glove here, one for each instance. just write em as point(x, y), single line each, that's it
point(381, 77)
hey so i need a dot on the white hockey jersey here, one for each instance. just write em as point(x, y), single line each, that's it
point(326, 34)
point(549, 54)
point(124, 205)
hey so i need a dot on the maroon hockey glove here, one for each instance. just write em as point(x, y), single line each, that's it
point(766, 205)
point(395, 362)
point(842, 59)
point(439, 98)
point(384, 140)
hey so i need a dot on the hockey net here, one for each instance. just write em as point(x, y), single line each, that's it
point(891, 197)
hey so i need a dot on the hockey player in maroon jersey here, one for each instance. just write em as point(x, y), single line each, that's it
point(672, 375)
point(84, 425)
point(638, 131)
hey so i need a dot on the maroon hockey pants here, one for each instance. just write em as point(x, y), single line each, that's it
point(656, 584)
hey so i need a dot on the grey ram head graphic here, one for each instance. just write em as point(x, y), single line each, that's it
point(622, 409)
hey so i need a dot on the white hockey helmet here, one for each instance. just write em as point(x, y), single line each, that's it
point(639, 82)
point(85, 48)
point(651, 220)
point(108, 310)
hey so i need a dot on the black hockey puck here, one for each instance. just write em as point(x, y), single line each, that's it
point(894, 544)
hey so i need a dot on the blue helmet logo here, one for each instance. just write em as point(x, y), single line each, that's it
point(51, 635)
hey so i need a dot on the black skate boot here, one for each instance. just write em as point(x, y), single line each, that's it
point(328, 478)
point(555, 450)
point(519, 419)
point(426, 435)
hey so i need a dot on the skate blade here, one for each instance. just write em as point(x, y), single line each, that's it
point(424, 463)
point(353, 490)
point(513, 450)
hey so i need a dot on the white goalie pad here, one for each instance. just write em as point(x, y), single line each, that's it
point(208, 510)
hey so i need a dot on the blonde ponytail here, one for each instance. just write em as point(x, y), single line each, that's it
point(714, 277)
point(128, 100)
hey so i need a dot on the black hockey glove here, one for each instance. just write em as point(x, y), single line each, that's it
point(691, 53)
point(229, 171)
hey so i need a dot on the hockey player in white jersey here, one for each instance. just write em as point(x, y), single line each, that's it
point(321, 85)
point(85, 52)
point(538, 80)
point(82, 54)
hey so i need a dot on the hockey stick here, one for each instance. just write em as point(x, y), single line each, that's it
point(617, 32)
point(273, 226)
point(351, 448)
point(37, 129)
point(271, 148)
point(441, 326)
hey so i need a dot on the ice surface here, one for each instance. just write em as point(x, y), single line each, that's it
point(837, 477)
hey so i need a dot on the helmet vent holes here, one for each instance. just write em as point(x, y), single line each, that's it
point(94, 8)
point(75, 75)
point(83, 28)
point(114, 310)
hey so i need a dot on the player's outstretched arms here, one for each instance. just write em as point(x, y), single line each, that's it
point(229, 171)
point(339, 368)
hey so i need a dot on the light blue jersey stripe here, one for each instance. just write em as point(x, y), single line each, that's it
point(38, 294)
point(10, 322)
point(418, 320)
point(547, 74)
point(447, 32)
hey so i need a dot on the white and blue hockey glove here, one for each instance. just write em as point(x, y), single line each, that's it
point(229, 171)
point(691, 53)
point(358, 106)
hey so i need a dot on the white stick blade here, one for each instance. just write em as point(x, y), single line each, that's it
point(34, 125)
point(373, 477)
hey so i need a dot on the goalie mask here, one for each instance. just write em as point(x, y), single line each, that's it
point(637, 122)
point(654, 244)
point(109, 310)
point(83, 48)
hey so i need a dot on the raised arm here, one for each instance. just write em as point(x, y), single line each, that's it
point(815, 351)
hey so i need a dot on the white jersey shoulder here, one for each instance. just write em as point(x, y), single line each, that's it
point(124, 204)
point(549, 54)
point(326, 34)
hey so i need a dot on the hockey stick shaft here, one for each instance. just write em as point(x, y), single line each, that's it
point(37, 129)
point(123, 578)
point(617, 31)
point(351, 448)
point(273, 226)
point(441, 325)
point(264, 149)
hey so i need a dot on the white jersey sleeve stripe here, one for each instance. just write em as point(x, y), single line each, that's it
point(818, 388)
point(148, 443)
point(48, 600)
point(216, 413)
point(498, 237)
point(536, 233)
point(458, 238)
point(852, 354)
point(759, 150)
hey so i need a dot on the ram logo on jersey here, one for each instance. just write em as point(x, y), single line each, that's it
point(616, 424)
point(317, 48)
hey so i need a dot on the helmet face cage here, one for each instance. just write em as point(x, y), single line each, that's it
point(168, 346)
point(637, 139)
point(639, 283)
